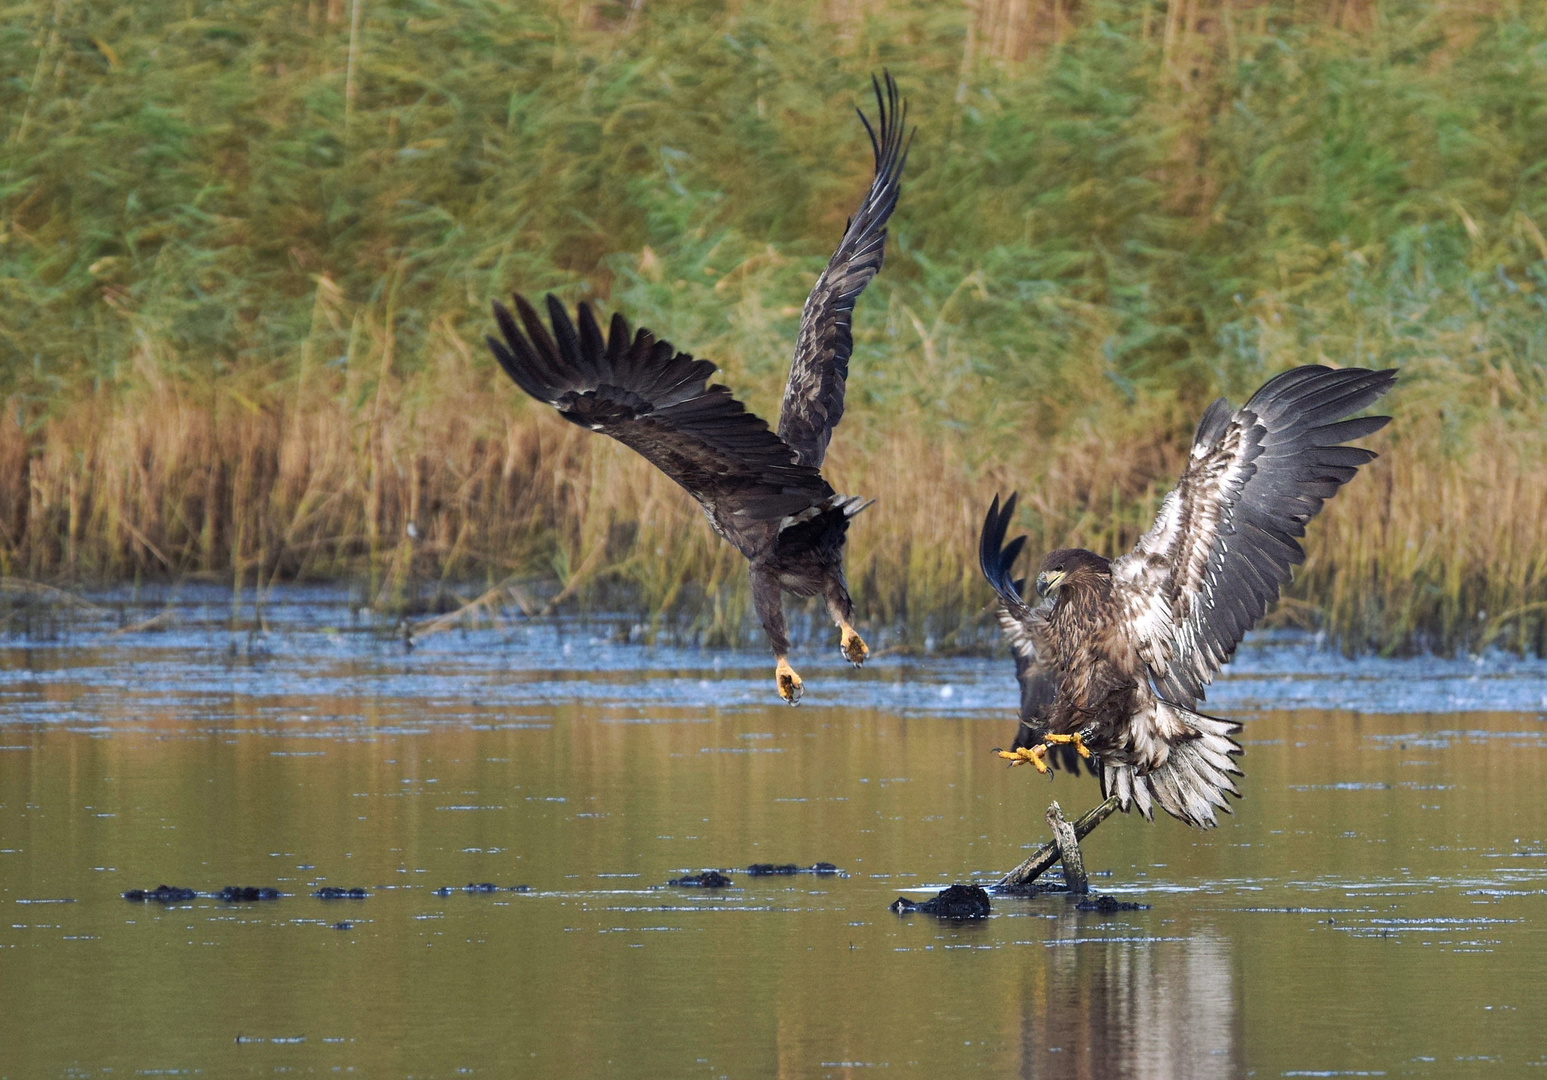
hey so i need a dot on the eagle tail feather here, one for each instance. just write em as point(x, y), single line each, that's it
point(1191, 784)
point(1119, 780)
point(850, 505)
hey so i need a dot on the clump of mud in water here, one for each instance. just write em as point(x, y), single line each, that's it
point(709, 879)
point(480, 887)
point(164, 894)
point(766, 869)
point(1108, 904)
point(956, 902)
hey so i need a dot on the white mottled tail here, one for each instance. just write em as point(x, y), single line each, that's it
point(1193, 780)
point(849, 504)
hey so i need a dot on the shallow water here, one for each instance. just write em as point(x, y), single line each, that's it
point(1376, 905)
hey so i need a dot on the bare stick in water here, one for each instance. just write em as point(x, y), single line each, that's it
point(1046, 855)
point(1068, 850)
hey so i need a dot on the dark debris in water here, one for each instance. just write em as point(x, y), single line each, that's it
point(1109, 904)
point(956, 902)
point(764, 869)
point(334, 892)
point(481, 887)
point(165, 894)
point(1042, 886)
point(709, 879)
point(343, 926)
point(246, 894)
point(1031, 888)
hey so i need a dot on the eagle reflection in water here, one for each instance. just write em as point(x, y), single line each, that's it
point(1131, 1010)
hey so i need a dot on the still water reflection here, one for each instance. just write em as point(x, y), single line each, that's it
point(1374, 907)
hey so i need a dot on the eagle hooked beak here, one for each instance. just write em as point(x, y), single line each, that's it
point(1049, 580)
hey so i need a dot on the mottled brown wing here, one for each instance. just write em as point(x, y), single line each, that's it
point(650, 397)
point(1025, 630)
point(1226, 538)
point(813, 396)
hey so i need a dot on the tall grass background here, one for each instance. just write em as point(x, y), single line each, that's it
point(247, 251)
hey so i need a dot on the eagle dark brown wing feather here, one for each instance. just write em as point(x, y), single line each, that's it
point(813, 396)
point(1024, 627)
point(650, 397)
point(1226, 538)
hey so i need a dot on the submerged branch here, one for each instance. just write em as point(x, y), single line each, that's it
point(506, 590)
point(47, 593)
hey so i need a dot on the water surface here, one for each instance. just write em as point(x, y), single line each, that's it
point(1375, 906)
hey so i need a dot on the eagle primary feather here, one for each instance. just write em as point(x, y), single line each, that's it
point(813, 395)
point(657, 401)
point(1226, 537)
point(1131, 644)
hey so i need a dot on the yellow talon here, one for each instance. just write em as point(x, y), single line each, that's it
point(1075, 739)
point(1023, 754)
point(855, 651)
point(789, 684)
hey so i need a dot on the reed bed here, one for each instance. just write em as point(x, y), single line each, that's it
point(246, 252)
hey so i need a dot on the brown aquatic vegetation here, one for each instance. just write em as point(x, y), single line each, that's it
point(240, 329)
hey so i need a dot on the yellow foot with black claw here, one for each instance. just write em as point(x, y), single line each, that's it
point(855, 651)
point(1074, 740)
point(1021, 755)
point(790, 686)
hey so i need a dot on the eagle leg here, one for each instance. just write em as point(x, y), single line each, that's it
point(767, 598)
point(789, 684)
point(855, 651)
point(1075, 739)
point(841, 608)
point(1037, 755)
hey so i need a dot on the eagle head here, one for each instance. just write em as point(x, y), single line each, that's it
point(1070, 565)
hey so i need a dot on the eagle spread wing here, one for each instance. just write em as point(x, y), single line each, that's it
point(1226, 537)
point(1023, 627)
point(656, 400)
point(813, 397)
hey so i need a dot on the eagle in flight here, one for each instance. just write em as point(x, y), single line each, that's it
point(763, 491)
point(1113, 660)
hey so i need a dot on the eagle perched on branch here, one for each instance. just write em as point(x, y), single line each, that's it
point(1114, 659)
point(763, 491)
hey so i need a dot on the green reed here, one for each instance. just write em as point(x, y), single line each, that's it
point(247, 251)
